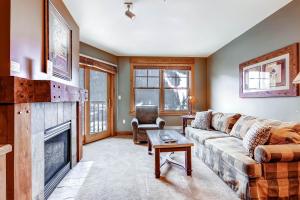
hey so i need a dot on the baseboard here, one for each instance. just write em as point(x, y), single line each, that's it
point(123, 133)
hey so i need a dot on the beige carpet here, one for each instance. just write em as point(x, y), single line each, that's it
point(122, 170)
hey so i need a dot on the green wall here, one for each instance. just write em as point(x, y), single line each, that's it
point(279, 30)
point(123, 90)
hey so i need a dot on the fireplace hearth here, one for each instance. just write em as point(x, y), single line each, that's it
point(57, 155)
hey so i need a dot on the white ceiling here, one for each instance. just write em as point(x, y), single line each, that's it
point(167, 28)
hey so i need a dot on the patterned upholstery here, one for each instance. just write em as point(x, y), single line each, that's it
point(285, 133)
point(241, 127)
point(258, 134)
point(248, 178)
point(229, 151)
point(277, 153)
point(146, 119)
point(224, 121)
point(202, 120)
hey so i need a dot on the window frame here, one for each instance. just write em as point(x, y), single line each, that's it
point(162, 67)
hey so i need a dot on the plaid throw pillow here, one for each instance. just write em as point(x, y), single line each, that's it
point(202, 120)
point(258, 134)
point(242, 126)
point(224, 121)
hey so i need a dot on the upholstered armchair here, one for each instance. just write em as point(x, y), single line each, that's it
point(146, 119)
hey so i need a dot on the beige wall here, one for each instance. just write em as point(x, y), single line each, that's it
point(123, 90)
point(277, 31)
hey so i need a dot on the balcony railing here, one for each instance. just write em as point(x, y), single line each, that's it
point(98, 116)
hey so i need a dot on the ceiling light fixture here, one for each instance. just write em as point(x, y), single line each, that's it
point(128, 13)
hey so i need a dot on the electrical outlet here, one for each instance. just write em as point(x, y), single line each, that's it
point(119, 97)
point(124, 122)
point(15, 67)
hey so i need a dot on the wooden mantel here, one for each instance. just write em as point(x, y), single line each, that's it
point(16, 90)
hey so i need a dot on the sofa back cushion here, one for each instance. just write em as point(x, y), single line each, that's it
point(224, 121)
point(242, 126)
point(202, 120)
point(146, 114)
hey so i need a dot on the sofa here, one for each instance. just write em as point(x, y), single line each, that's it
point(146, 119)
point(273, 172)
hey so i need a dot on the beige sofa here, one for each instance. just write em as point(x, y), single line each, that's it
point(273, 173)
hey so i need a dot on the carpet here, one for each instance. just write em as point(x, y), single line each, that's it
point(122, 170)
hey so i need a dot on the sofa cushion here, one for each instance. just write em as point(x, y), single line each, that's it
point(147, 126)
point(224, 121)
point(258, 134)
point(202, 120)
point(241, 127)
point(234, 155)
point(200, 135)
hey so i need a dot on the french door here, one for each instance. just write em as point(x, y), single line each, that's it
point(98, 109)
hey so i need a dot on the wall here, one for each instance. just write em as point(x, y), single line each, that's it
point(97, 53)
point(279, 30)
point(123, 90)
point(27, 39)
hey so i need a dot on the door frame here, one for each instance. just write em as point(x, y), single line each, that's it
point(87, 138)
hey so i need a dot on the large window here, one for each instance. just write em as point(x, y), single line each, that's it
point(166, 87)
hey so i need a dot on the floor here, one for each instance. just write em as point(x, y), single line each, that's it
point(116, 169)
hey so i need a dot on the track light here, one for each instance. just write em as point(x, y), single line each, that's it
point(128, 13)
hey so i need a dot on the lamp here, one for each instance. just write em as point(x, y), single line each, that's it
point(128, 13)
point(297, 79)
point(190, 102)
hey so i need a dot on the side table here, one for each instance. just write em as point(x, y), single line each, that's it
point(185, 119)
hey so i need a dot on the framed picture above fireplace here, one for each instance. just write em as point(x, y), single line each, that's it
point(271, 75)
point(58, 42)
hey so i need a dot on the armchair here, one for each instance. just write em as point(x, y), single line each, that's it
point(146, 119)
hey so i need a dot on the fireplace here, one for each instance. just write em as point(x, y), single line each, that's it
point(57, 155)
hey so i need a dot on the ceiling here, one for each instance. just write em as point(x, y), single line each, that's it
point(167, 27)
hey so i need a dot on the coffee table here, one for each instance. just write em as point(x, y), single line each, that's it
point(182, 144)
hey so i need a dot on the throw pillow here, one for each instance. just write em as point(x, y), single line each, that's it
point(258, 134)
point(224, 121)
point(285, 133)
point(202, 120)
point(242, 126)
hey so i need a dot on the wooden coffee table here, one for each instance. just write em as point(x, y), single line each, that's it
point(159, 146)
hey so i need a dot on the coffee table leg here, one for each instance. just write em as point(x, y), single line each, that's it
point(188, 161)
point(157, 163)
point(149, 147)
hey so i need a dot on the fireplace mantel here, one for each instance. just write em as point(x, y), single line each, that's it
point(16, 90)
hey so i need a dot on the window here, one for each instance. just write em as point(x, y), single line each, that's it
point(166, 87)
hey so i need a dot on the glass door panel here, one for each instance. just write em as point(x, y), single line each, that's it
point(98, 102)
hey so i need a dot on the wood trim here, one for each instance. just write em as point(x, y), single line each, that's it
point(79, 130)
point(102, 61)
point(293, 50)
point(95, 64)
point(162, 60)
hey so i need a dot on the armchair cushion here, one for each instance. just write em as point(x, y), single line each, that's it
point(146, 114)
point(160, 122)
point(147, 126)
point(277, 153)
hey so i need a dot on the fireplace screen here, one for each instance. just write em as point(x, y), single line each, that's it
point(57, 155)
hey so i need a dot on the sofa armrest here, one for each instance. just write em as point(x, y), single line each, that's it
point(160, 122)
point(134, 123)
point(277, 153)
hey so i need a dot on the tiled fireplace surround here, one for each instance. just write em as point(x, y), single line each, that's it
point(45, 116)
